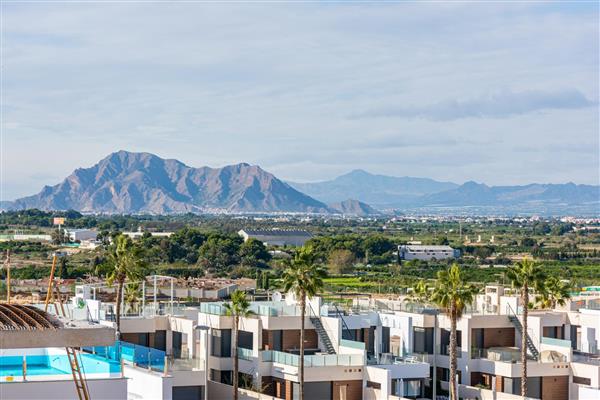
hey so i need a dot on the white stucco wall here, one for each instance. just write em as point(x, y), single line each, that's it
point(100, 389)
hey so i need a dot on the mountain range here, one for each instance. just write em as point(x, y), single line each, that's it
point(126, 182)
point(377, 190)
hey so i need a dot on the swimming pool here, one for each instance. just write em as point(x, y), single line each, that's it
point(55, 364)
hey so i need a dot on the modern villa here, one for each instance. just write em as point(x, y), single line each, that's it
point(374, 349)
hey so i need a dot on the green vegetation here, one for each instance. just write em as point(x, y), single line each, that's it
point(126, 262)
point(360, 255)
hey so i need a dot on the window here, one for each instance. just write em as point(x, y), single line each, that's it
point(385, 339)
point(445, 342)
point(188, 392)
point(406, 387)
point(221, 376)
point(412, 388)
point(221, 343)
point(245, 380)
point(374, 385)
point(582, 381)
point(423, 340)
point(278, 340)
point(534, 386)
point(443, 374)
point(245, 339)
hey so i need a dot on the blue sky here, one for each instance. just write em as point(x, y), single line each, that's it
point(501, 93)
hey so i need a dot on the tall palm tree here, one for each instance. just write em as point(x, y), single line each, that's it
point(238, 307)
point(524, 275)
point(126, 263)
point(452, 295)
point(304, 278)
point(132, 296)
point(554, 292)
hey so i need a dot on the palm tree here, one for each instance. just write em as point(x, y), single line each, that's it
point(419, 294)
point(553, 292)
point(238, 307)
point(452, 294)
point(127, 264)
point(304, 278)
point(524, 275)
point(132, 295)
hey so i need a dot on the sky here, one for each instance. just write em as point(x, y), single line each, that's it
point(495, 92)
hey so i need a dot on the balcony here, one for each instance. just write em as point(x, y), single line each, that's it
point(245, 354)
point(141, 356)
point(390, 359)
point(505, 354)
point(444, 350)
point(186, 364)
point(267, 309)
point(586, 358)
point(325, 360)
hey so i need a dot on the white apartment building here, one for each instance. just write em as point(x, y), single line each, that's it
point(564, 361)
point(376, 349)
point(426, 252)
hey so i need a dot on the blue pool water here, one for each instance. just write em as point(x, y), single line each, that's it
point(56, 365)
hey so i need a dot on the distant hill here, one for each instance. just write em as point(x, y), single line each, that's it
point(380, 191)
point(479, 194)
point(354, 207)
point(126, 182)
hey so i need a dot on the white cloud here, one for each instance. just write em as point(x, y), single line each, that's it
point(273, 84)
point(494, 105)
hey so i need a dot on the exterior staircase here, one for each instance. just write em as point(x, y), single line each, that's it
point(316, 321)
point(530, 346)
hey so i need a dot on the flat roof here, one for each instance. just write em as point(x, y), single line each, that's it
point(276, 232)
point(23, 326)
point(427, 247)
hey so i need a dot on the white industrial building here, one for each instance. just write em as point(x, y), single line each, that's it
point(277, 237)
point(426, 252)
point(78, 235)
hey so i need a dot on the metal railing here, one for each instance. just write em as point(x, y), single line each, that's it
point(326, 360)
point(556, 342)
point(444, 350)
point(586, 358)
point(269, 309)
point(186, 364)
point(389, 359)
point(142, 356)
point(346, 332)
point(506, 356)
point(352, 343)
point(245, 354)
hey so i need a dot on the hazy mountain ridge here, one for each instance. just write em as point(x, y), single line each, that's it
point(379, 191)
point(385, 192)
point(479, 194)
point(353, 207)
point(127, 182)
